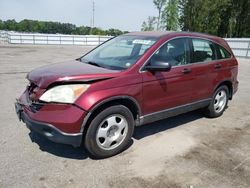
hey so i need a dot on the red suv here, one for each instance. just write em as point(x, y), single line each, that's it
point(130, 80)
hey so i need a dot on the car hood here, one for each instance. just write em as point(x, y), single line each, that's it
point(69, 72)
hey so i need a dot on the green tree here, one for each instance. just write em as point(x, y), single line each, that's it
point(1, 25)
point(190, 15)
point(82, 30)
point(159, 4)
point(224, 26)
point(113, 32)
point(170, 15)
point(97, 31)
point(225, 18)
point(10, 25)
point(149, 25)
point(241, 15)
point(54, 27)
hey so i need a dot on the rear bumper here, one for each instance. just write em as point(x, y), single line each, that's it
point(48, 130)
point(235, 87)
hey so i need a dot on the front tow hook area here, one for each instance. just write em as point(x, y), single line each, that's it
point(19, 110)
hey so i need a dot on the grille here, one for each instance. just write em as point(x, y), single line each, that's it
point(34, 105)
point(31, 88)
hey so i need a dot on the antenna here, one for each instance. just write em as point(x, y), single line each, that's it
point(93, 18)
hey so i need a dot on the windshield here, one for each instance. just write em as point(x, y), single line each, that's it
point(119, 53)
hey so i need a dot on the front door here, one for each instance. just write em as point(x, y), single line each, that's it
point(165, 90)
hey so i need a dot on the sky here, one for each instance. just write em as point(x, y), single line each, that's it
point(126, 15)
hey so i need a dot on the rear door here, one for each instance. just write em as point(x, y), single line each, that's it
point(164, 90)
point(202, 58)
point(206, 67)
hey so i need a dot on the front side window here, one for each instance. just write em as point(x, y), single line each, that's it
point(175, 52)
point(203, 50)
point(119, 53)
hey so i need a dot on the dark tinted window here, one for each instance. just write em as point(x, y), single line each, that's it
point(203, 50)
point(175, 52)
point(222, 52)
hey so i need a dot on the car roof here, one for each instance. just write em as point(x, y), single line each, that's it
point(161, 34)
point(157, 34)
point(173, 34)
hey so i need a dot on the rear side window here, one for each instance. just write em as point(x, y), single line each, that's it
point(203, 51)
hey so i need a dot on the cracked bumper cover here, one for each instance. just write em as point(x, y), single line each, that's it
point(46, 129)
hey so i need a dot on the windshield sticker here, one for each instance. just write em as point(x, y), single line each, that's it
point(127, 64)
point(138, 41)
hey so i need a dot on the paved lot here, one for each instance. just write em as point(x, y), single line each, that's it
point(185, 151)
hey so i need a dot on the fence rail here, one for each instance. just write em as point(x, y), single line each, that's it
point(240, 46)
point(54, 39)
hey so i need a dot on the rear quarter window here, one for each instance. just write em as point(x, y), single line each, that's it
point(223, 53)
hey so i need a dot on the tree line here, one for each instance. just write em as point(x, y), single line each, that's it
point(54, 27)
point(224, 18)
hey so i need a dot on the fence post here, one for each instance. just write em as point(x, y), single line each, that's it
point(8, 38)
point(248, 48)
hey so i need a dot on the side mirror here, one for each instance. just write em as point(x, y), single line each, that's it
point(159, 66)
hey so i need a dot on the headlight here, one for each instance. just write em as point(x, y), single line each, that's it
point(64, 93)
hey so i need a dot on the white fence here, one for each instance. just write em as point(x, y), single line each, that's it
point(54, 39)
point(240, 46)
point(3, 37)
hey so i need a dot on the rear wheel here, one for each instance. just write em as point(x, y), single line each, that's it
point(219, 102)
point(110, 131)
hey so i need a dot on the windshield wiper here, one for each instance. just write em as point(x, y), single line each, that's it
point(93, 63)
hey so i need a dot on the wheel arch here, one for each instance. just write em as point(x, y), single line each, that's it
point(229, 85)
point(127, 101)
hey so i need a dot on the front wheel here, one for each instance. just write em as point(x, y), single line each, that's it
point(109, 132)
point(218, 103)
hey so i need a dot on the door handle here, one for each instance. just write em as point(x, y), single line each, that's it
point(217, 66)
point(186, 71)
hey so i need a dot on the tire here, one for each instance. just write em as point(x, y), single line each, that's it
point(218, 103)
point(110, 132)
